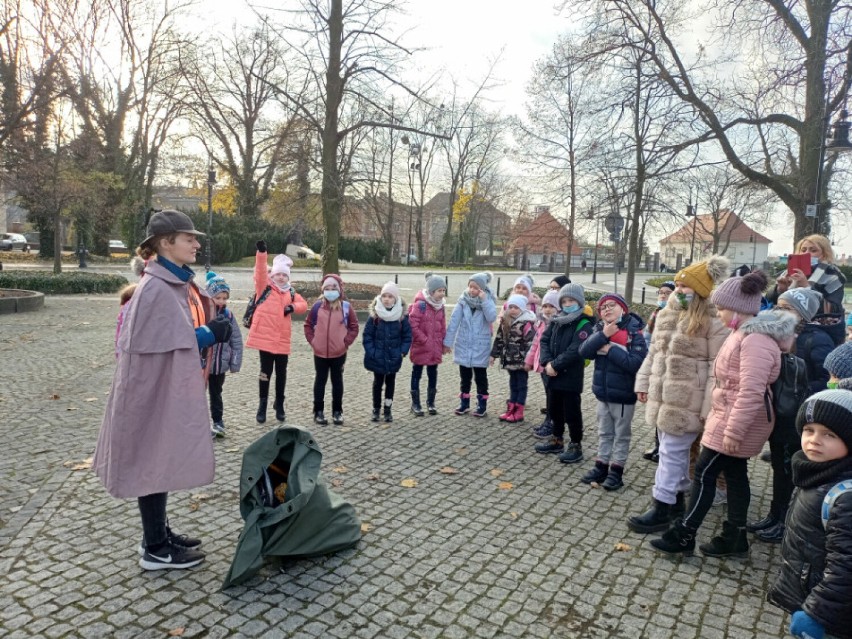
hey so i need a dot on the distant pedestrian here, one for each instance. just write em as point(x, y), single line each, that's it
point(155, 435)
point(515, 335)
point(583, 264)
point(330, 328)
point(387, 340)
point(428, 321)
point(225, 357)
point(272, 327)
point(469, 335)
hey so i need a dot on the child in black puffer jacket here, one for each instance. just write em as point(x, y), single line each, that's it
point(815, 583)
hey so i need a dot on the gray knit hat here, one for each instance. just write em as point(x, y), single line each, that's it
point(434, 282)
point(832, 409)
point(838, 362)
point(573, 290)
point(481, 279)
point(805, 300)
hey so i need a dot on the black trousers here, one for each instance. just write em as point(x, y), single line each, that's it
point(268, 361)
point(565, 407)
point(467, 375)
point(417, 374)
point(386, 381)
point(325, 366)
point(783, 442)
point(152, 509)
point(710, 463)
point(518, 385)
point(214, 385)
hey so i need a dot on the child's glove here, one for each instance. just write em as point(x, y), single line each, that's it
point(804, 626)
point(288, 309)
point(261, 246)
point(221, 328)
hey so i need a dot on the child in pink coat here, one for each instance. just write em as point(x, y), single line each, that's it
point(428, 329)
point(549, 308)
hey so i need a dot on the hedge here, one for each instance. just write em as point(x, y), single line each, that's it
point(63, 283)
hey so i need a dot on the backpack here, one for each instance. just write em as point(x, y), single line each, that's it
point(789, 391)
point(312, 316)
point(253, 304)
point(831, 496)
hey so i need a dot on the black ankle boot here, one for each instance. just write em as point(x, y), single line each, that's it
point(376, 412)
point(677, 540)
point(416, 408)
point(731, 543)
point(657, 518)
point(320, 418)
point(431, 393)
point(614, 479)
point(261, 410)
point(387, 413)
point(278, 407)
point(597, 474)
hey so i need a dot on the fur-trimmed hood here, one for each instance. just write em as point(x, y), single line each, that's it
point(779, 325)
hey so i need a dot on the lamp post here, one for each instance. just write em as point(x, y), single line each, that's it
point(211, 180)
point(839, 136)
point(691, 211)
point(591, 215)
point(753, 241)
point(414, 152)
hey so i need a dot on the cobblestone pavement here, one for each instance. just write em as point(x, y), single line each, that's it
point(511, 545)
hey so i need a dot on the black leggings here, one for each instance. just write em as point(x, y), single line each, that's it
point(214, 385)
point(323, 367)
point(389, 383)
point(710, 463)
point(566, 407)
point(267, 362)
point(417, 373)
point(467, 375)
point(783, 442)
point(152, 509)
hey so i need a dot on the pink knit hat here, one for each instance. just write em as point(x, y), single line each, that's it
point(392, 289)
point(741, 294)
point(281, 264)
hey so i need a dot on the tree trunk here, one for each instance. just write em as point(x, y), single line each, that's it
point(331, 187)
point(57, 243)
point(573, 168)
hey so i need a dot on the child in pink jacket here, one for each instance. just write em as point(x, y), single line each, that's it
point(428, 329)
point(549, 308)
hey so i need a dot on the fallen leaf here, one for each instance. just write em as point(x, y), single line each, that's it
point(176, 632)
point(340, 469)
point(71, 408)
point(91, 399)
point(513, 515)
point(373, 477)
point(194, 505)
point(232, 450)
point(462, 451)
point(448, 470)
point(86, 464)
point(496, 472)
point(54, 396)
point(337, 482)
point(365, 527)
point(622, 547)
point(86, 323)
point(200, 496)
point(408, 483)
point(505, 485)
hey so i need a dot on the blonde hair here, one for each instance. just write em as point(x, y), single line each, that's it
point(822, 242)
point(697, 316)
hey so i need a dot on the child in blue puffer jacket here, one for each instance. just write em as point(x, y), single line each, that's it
point(387, 339)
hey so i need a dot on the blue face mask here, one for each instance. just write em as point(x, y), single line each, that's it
point(571, 309)
point(814, 261)
point(331, 295)
point(662, 303)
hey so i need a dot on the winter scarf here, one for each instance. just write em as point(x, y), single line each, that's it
point(392, 314)
point(808, 474)
point(475, 303)
point(567, 318)
point(431, 302)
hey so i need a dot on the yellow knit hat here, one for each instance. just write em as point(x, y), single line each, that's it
point(702, 276)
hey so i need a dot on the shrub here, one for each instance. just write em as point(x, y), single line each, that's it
point(63, 283)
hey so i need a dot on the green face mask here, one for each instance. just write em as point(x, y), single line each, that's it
point(684, 299)
point(831, 385)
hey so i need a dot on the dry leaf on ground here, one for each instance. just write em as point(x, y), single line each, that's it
point(86, 464)
point(176, 632)
point(513, 515)
point(365, 527)
point(448, 470)
point(496, 472)
point(505, 485)
point(622, 547)
point(408, 483)
point(373, 477)
point(71, 408)
point(54, 396)
point(91, 399)
point(336, 482)
point(340, 469)
point(462, 451)
point(200, 496)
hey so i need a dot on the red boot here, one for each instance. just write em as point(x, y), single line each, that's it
point(517, 416)
point(510, 409)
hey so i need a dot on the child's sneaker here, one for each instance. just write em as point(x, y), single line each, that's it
point(552, 445)
point(573, 454)
point(544, 430)
point(218, 429)
point(171, 556)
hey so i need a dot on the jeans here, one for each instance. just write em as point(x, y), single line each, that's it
point(389, 383)
point(152, 509)
point(710, 464)
point(614, 431)
point(323, 367)
point(467, 375)
point(672, 476)
point(268, 361)
point(518, 384)
point(565, 406)
point(417, 373)
point(215, 384)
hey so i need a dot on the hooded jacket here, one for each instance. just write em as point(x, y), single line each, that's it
point(677, 372)
point(329, 330)
point(469, 332)
point(560, 347)
point(227, 357)
point(385, 343)
point(748, 362)
point(615, 372)
point(813, 345)
point(513, 340)
point(271, 329)
point(428, 329)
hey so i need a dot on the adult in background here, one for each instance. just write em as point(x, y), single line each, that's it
point(155, 436)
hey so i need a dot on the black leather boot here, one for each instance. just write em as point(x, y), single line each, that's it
point(278, 406)
point(655, 519)
point(731, 543)
point(677, 540)
point(431, 393)
point(376, 412)
point(261, 410)
point(416, 408)
point(387, 412)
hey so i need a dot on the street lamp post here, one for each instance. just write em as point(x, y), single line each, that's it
point(753, 241)
point(691, 211)
point(414, 152)
point(591, 215)
point(839, 132)
point(211, 180)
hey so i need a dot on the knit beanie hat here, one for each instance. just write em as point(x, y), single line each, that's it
point(832, 409)
point(434, 282)
point(805, 300)
point(391, 288)
point(574, 291)
point(527, 280)
point(216, 284)
point(838, 362)
point(552, 298)
point(702, 276)
point(741, 294)
point(281, 264)
point(613, 297)
point(480, 279)
point(333, 279)
point(562, 280)
point(517, 300)
point(668, 284)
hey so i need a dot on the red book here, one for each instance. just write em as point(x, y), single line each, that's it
point(801, 261)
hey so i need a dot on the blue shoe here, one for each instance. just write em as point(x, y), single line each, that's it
point(544, 431)
point(552, 445)
point(573, 454)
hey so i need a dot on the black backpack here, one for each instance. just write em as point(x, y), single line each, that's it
point(253, 304)
point(790, 390)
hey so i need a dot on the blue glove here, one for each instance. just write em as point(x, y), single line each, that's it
point(804, 626)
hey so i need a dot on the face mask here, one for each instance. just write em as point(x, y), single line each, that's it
point(331, 295)
point(685, 299)
point(662, 303)
point(831, 385)
point(814, 261)
point(571, 309)
point(735, 322)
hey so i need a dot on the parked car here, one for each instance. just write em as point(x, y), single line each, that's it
point(116, 245)
point(13, 241)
